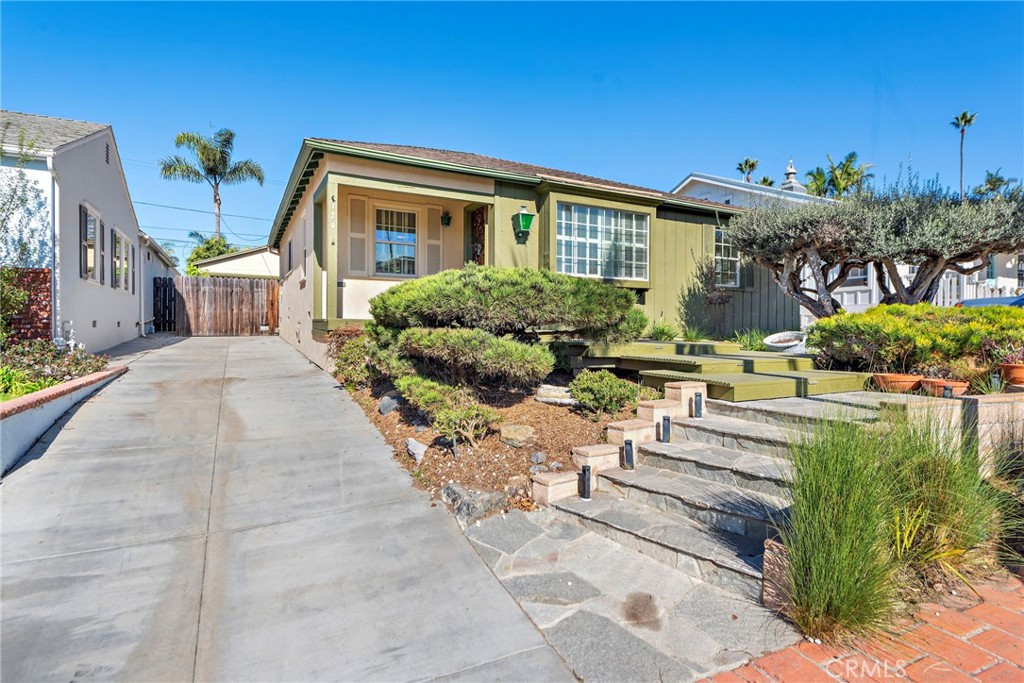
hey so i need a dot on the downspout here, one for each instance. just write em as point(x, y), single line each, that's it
point(144, 239)
point(56, 323)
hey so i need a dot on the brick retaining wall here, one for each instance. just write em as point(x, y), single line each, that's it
point(36, 319)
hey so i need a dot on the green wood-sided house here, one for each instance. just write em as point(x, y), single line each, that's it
point(357, 218)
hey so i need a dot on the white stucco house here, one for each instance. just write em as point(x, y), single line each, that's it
point(80, 224)
point(154, 262)
point(260, 261)
point(1005, 275)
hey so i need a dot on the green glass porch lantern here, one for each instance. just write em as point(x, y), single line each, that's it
point(446, 219)
point(523, 221)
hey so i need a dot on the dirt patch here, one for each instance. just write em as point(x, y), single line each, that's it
point(492, 465)
point(641, 609)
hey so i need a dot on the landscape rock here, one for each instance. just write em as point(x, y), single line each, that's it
point(470, 505)
point(538, 457)
point(390, 402)
point(516, 436)
point(555, 466)
point(416, 449)
point(537, 469)
point(518, 485)
point(557, 396)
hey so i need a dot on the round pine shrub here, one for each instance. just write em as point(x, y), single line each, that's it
point(602, 392)
point(475, 356)
point(507, 301)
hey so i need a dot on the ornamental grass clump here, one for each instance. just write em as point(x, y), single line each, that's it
point(836, 534)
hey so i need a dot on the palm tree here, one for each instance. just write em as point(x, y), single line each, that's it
point(766, 181)
point(214, 166)
point(747, 167)
point(817, 182)
point(994, 183)
point(847, 176)
point(962, 121)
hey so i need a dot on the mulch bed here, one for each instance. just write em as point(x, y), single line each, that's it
point(492, 465)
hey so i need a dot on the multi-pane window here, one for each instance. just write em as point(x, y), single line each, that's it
point(122, 262)
point(395, 240)
point(90, 247)
point(607, 243)
point(857, 277)
point(727, 261)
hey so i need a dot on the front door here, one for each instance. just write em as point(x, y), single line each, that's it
point(477, 229)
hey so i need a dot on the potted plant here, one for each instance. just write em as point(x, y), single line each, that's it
point(1012, 367)
point(939, 377)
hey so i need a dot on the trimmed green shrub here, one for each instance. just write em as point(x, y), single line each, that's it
point(630, 329)
point(518, 301)
point(662, 332)
point(15, 383)
point(602, 392)
point(472, 356)
point(452, 410)
point(751, 340)
point(352, 351)
point(901, 338)
point(41, 359)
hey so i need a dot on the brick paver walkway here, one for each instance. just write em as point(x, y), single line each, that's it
point(979, 642)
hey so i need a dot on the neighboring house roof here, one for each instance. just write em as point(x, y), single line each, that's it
point(749, 188)
point(48, 133)
point(468, 163)
point(258, 269)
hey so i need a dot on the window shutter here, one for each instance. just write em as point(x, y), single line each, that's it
point(433, 241)
point(357, 236)
point(746, 274)
point(83, 239)
point(115, 274)
point(133, 269)
point(101, 250)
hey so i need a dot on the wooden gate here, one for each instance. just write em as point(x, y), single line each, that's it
point(163, 304)
point(226, 306)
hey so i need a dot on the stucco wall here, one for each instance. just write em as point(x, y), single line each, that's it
point(151, 267)
point(101, 315)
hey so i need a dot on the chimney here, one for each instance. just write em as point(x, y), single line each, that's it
point(791, 184)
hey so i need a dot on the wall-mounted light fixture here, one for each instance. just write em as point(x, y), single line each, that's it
point(522, 221)
point(446, 219)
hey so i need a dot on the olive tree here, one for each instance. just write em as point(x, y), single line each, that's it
point(810, 249)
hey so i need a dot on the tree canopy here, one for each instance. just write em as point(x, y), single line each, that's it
point(811, 248)
point(206, 247)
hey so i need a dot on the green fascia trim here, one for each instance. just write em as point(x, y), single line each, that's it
point(647, 348)
point(755, 387)
point(712, 364)
point(420, 189)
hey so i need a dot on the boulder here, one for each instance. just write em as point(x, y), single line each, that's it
point(538, 457)
point(390, 402)
point(557, 396)
point(470, 505)
point(416, 449)
point(516, 436)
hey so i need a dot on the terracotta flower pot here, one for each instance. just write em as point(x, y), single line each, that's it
point(897, 382)
point(1013, 373)
point(936, 387)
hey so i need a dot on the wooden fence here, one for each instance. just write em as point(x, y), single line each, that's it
point(226, 306)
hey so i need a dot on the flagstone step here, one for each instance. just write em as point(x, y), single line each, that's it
point(735, 433)
point(750, 471)
point(728, 560)
point(723, 506)
point(752, 386)
point(791, 411)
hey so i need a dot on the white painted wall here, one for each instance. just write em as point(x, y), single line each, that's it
point(33, 226)
point(100, 315)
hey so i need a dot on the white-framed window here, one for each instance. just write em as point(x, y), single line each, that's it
point(727, 261)
point(394, 242)
point(857, 277)
point(605, 243)
point(122, 262)
point(92, 249)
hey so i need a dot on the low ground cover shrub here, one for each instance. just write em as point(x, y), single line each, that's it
point(602, 392)
point(903, 338)
point(32, 365)
point(503, 301)
point(471, 357)
point(751, 340)
point(879, 514)
point(662, 332)
point(452, 410)
point(352, 351)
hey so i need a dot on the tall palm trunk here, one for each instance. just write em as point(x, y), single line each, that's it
point(963, 132)
point(216, 212)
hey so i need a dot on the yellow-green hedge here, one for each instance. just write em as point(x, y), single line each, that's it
point(902, 338)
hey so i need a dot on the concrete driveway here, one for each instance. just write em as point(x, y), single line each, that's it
point(225, 512)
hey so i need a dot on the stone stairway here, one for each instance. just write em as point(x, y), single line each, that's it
point(704, 502)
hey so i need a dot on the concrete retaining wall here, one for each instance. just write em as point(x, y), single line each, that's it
point(23, 420)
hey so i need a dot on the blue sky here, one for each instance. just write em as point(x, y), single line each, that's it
point(641, 93)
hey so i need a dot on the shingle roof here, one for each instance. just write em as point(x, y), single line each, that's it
point(47, 133)
point(503, 165)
